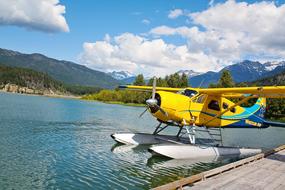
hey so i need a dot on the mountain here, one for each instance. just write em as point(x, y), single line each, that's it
point(278, 80)
point(244, 71)
point(64, 71)
point(124, 77)
point(129, 80)
point(189, 73)
point(120, 75)
point(278, 68)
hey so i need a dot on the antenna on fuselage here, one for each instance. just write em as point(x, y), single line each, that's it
point(153, 88)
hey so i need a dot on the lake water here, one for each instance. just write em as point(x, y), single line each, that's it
point(52, 143)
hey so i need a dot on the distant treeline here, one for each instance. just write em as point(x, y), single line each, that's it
point(81, 90)
point(174, 81)
point(125, 96)
point(275, 107)
point(39, 81)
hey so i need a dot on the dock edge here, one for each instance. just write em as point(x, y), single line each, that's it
point(179, 184)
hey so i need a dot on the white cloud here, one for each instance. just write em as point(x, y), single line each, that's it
point(234, 30)
point(145, 21)
point(140, 55)
point(219, 36)
point(166, 30)
point(43, 15)
point(175, 13)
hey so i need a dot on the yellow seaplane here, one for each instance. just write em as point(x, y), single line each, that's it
point(194, 109)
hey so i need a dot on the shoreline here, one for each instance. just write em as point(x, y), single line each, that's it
point(76, 98)
point(46, 95)
point(116, 103)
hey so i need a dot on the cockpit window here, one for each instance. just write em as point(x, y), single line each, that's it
point(200, 99)
point(188, 92)
point(214, 105)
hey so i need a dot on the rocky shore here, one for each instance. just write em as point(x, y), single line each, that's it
point(13, 88)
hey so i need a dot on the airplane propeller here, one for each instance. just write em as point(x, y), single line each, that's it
point(153, 103)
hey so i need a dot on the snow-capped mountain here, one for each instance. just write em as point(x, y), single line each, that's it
point(189, 73)
point(269, 66)
point(120, 75)
point(244, 71)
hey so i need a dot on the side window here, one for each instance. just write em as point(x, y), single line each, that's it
point(214, 105)
point(225, 106)
point(233, 110)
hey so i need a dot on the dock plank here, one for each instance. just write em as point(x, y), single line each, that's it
point(267, 173)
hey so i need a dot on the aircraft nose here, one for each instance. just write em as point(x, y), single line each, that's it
point(151, 102)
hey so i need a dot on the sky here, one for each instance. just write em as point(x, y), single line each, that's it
point(153, 37)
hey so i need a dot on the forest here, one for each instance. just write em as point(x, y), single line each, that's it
point(40, 81)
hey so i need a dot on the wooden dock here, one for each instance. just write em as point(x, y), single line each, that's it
point(262, 171)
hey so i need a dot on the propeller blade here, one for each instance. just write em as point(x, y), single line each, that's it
point(143, 112)
point(153, 87)
point(162, 111)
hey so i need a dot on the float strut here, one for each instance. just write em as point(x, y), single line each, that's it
point(159, 129)
point(180, 129)
point(191, 132)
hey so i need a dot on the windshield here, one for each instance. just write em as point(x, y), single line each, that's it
point(188, 92)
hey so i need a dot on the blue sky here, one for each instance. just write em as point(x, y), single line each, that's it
point(90, 21)
point(148, 24)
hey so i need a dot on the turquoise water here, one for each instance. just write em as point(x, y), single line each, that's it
point(52, 143)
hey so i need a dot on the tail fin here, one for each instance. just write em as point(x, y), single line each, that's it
point(261, 102)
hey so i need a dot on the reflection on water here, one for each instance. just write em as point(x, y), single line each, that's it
point(50, 143)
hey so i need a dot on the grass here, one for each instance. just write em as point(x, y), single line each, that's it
point(117, 102)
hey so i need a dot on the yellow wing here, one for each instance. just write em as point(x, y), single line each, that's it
point(266, 91)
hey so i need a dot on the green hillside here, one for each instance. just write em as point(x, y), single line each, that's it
point(39, 81)
point(29, 78)
point(64, 71)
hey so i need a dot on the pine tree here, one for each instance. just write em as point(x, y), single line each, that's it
point(174, 80)
point(139, 81)
point(184, 80)
point(150, 82)
point(226, 80)
point(161, 82)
